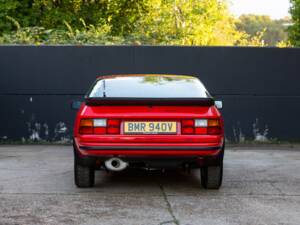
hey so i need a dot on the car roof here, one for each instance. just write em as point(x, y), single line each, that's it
point(146, 75)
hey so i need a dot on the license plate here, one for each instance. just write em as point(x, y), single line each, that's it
point(148, 127)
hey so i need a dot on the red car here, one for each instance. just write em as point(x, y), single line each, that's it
point(149, 121)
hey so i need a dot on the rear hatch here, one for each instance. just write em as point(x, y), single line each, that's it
point(153, 109)
point(151, 123)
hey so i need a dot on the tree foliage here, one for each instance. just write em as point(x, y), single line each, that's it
point(51, 14)
point(294, 29)
point(205, 22)
point(273, 31)
point(176, 22)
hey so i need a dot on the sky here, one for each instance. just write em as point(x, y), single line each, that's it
point(276, 9)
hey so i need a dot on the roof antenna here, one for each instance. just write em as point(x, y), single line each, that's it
point(104, 94)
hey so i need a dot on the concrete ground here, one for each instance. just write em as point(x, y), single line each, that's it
point(260, 187)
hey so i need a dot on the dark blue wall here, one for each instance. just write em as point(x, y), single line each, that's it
point(259, 86)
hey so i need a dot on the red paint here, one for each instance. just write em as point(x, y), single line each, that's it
point(114, 136)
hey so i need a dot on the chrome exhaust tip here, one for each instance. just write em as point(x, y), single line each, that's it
point(115, 164)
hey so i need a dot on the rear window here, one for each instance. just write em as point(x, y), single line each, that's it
point(164, 86)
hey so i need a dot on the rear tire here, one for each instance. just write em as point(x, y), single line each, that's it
point(84, 176)
point(211, 176)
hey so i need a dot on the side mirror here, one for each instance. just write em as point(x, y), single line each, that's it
point(219, 104)
point(75, 104)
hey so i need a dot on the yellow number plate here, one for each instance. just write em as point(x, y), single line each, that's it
point(147, 127)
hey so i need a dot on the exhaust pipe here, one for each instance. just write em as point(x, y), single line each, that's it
point(115, 164)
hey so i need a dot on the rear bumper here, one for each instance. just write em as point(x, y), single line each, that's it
point(152, 148)
point(147, 149)
point(203, 154)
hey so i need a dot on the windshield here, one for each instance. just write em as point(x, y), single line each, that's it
point(149, 86)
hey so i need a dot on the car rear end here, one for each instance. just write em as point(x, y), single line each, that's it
point(145, 126)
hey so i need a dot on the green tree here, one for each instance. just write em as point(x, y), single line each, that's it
point(194, 22)
point(273, 31)
point(172, 22)
point(121, 15)
point(7, 8)
point(294, 29)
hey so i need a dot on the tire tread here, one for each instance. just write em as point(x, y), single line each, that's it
point(211, 177)
point(84, 176)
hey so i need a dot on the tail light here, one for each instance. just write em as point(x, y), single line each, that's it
point(201, 126)
point(113, 126)
point(99, 126)
point(214, 126)
point(86, 126)
point(187, 126)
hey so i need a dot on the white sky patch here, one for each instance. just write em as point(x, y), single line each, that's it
point(276, 9)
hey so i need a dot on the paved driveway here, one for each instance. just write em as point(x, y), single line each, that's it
point(260, 187)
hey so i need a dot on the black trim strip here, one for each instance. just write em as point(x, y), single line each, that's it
point(194, 148)
point(149, 101)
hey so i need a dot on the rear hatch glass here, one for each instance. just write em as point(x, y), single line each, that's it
point(155, 87)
